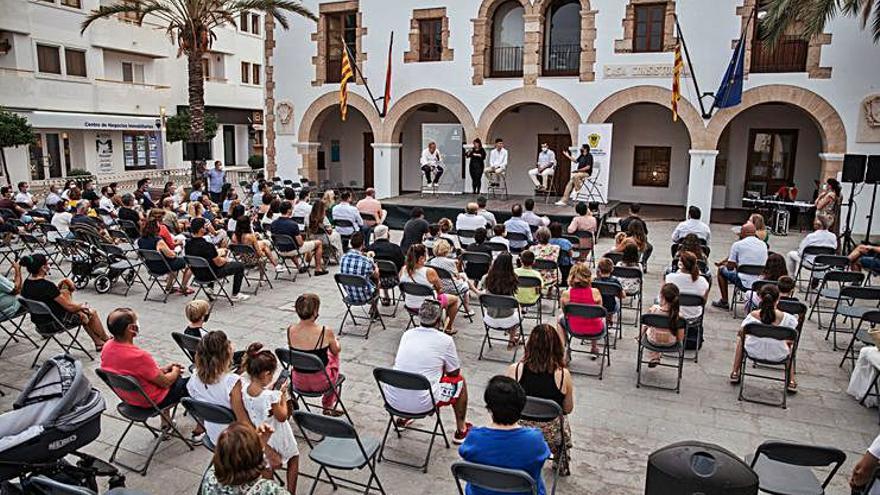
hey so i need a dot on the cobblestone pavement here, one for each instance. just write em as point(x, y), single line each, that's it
point(615, 424)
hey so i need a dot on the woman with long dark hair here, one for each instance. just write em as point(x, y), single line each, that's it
point(244, 234)
point(150, 240)
point(477, 156)
point(502, 281)
point(828, 201)
point(689, 280)
point(668, 306)
point(319, 228)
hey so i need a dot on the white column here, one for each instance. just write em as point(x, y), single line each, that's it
point(701, 180)
point(386, 169)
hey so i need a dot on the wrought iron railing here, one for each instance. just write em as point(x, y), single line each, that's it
point(507, 61)
point(789, 55)
point(562, 60)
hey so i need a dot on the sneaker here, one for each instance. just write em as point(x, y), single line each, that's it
point(197, 439)
point(240, 297)
point(280, 268)
point(561, 203)
point(470, 313)
point(720, 304)
point(459, 436)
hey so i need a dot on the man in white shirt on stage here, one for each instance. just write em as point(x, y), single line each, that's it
point(432, 161)
point(497, 161)
point(546, 165)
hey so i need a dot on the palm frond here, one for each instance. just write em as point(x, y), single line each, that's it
point(105, 11)
point(875, 26)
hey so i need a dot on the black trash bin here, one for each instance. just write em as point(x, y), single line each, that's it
point(691, 468)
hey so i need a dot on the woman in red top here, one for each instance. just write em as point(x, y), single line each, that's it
point(581, 291)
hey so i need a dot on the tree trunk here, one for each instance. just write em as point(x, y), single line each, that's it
point(270, 97)
point(5, 169)
point(196, 102)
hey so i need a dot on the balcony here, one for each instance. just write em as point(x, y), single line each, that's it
point(507, 61)
point(789, 55)
point(562, 60)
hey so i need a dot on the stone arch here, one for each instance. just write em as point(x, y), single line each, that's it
point(825, 117)
point(310, 124)
point(529, 94)
point(411, 102)
point(660, 96)
point(482, 38)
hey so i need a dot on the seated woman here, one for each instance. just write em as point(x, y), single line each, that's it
point(446, 227)
point(59, 299)
point(272, 214)
point(502, 281)
point(216, 236)
point(150, 240)
point(212, 380)
point(174, 242)
point(460, 285)
point(692, 244)
point(318, 340)
point(415, 271)
point(581, 291)
point(669, 306)
point(320, 228)
point(631, 285)
point(542, 373)
point(765, 348)
point(584, 222)
point(329, 200)
point(238, 465)
point(761, 230)
point(244, 234)
point(774, 269)
point(636, 233)
point(548, 252)
point(689, 281)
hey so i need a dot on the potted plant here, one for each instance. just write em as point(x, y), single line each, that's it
point(80, 176)
point(255, 162)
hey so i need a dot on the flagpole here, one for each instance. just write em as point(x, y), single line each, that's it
point(359, 73)
point(740, 45)
point(687, 55)
point(387, 95)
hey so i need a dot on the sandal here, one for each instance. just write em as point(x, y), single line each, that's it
point(735, 378)
point(186, 291)
point(792, 387)
point(450, 331)
point(653, 363)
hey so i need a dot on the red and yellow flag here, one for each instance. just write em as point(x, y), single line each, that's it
point(677, 67)
point(343, 88)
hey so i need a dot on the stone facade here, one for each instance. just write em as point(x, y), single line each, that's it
point(625, 45)
point(320, 39)
point(446, 53)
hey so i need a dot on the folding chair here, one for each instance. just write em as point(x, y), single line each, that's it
point(513, 237)
point(811, 264)
point(544, 411)
point(130, 228)
point(247, 256)
point(205, 412)
point(551, 290)
point(122, 240)
point(347, 224)
point(300, 221)
point(497, 247)
point(497, 184)
point(586, 251)
point(632, 302)
point(387, 270)
point(187, 344)
point(286, 248)
point(577, 254)
point(465, 238)
point(848, 309)
point(694, 326)
point(614, 256)
point(860, 334)
point(309, 364)
point(15, 321)
point(412, 383)
point(447, 275)
point(52, 328)
point(37, 246)
point(347, 284)
point(340, 448)
point(415, 290)
point(799, 309)
point(739, 288)
point(476, 265)
point(824, 263)
point(535, 284)
point(676, 350)
point(784, 468)
point(129, 268)
point(155, 258)
point(140, 415)
point(9, 253)
point(611, 289)
point(498, 479)
point(830, 287)
point(775, 332)
point(586, 311)
point(206, 284)
point(500, 303)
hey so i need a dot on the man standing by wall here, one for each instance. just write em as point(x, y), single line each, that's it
point(216, 178)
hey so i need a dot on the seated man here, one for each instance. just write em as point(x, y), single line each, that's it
point(470, 219)
point(6, 202)
point(749, 250)
point(428, 351)
point(693, 225)
point(303, 207)
point(385, 250)
point(545, 167)
point(200, 247)
point(24, 198)
point(372, 206)
point(585, 169)
point(284, 225)
point(819, 237)
point(345, 211)
point(504, 443)
point(531, 217)
point(497, 162)
point(483, 212)
point(432, 162)
point(516, 224)
point(355, 262)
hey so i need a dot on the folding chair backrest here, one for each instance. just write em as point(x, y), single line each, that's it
point(45, 228)
point(443, 273)
point(816, 250)
point(627, 272)
point(368, 217)
point(844, 278)
point(542, 410)
point(29, 240)
point(584, 310)
point(860, 293)
point(346, 281)
point(417, 290)
point(150, 256)
point(802, 455)
point(758, 284)
point(660, 321)
point(129, 228)
point(750, 269)
point(324, 426)
point(496, 246)
point(343, 223)
point(517, 236)
point(607, 288)
point(615, 257)
point(284, 243)
point(494, 478)
point(245, 254)
point(466, 234)
point(872, 317)
point(187, 343)
point(198, 263)
point(301, 362)
point(122, 383)
point(112, 250)
point(529, 282)
point(476, 258)
point(205, 411)
point(386, 268)
point(404, 380)
point(831, 261)
point(545, 265)
point(691, 300)
point(770, 331)
point(792, 307)
point(299, 220)
point(499, 302)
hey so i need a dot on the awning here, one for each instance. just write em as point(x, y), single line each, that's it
point(100, 122)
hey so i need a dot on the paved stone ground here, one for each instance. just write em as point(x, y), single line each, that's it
point(615, 424)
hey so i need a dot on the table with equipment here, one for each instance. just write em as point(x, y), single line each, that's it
point(778, 213)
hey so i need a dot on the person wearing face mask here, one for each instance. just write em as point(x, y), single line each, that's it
point(546, 166)
point(432, 161)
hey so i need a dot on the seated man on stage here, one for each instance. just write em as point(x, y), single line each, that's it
point(546, 166)
point(432, 162)
point(497, 162)
point(585, 169)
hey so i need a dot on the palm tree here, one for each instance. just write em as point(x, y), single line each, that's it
point(191, 23)
point(808, 17)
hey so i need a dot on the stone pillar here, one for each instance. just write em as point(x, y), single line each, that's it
point(531, 49)
point(386, 169)
point(701, 180)
point(309, 153)
point(831, 165)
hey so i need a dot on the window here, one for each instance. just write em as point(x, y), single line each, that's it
point(508, 33)
point(71, 3)
point(245, 73)
point(651, 166)
point(649, 22)
point(789, 55)
point(75, 61)
point(243, 24)
point(140, 150)
point(771, 159)
point(48, 59)
point(206, 69)
point(256, 68)
point(430, 40)
point(562, 39)
point(340, 26)
point(132, 72)
point(255, 24)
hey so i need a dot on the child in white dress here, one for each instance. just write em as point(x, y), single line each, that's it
point(266, 404)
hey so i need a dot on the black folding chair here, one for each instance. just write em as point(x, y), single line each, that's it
point(130, 228)
point(497, 247)
point(498, 479)
point(340, 448)
point(122, 240)
point(632, 302)
point(15, 321)
point(309, 364)
point(830, 286)
point(346, 224)
point(824, 263)
point(532, 284)
point(247, 256)
point(38, 246)
point(412, 383)
point(811, 264)
point(872, 318)
point(347, 284)
point(465, 238)
point(414, 290)
point(799, 309)
point(187, 343)
point(774, 332)
point(140, 415)
point(847, 308)
point(476, 265)
point(120, 262)
point(590, 311)
point(52, 328)
point(445, 274)
point(200, 267)
point(286, 248)
point(785, 468)
point(205, 412)
point(612, 289)
point(551, 289)
point(614, 256)
point(517, 237)
point(154, 259)
point(676, 349)
point(387, 271)
point(494, 303)
point(544, 411)
point(739, 288)
point(694, 327)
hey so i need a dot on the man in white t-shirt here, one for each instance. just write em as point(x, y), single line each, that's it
point(470, 219)
point(819, 237)
point(693, 225)
point(749, 250)
point(429, 352)
point(23, 197)
point(497, 162)
point(863, 472)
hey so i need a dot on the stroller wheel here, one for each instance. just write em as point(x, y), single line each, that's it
point(103, 284)
point(80, 282)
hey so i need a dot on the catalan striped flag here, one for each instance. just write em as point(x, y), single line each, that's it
point(343, 87)
point(677, 68)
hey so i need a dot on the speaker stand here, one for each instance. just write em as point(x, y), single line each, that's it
point(871, 215)
point(846, 240)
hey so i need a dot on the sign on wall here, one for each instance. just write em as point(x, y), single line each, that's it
point(598, 136)
point(449, 142)
point(104, 149)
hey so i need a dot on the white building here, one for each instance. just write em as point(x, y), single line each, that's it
point(95, 100)
point(534, 70)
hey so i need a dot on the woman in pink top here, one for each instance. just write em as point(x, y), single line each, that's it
point(581, 291)
point(585, 221)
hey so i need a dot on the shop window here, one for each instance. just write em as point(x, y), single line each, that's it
point(71, 3)
point(340, 26)
point(140, 150)
point(649, 22)
point(508, 32)
point(48, 59)
point(75, 62)
point(651, 166)
point(245, 73)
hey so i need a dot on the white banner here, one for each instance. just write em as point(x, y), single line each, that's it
point(448, 138)
point(104, 149)
point(598, 136)
point(64, 120)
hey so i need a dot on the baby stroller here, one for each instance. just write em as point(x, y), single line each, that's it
point(57, 413)
point(90, 260)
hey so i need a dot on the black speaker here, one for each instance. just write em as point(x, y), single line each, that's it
point(197, 151)
point(854, 168)
point(873, 175)
point(693, 467)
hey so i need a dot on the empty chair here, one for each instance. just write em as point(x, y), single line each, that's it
point(785, 468)
point(774, 332)
point(808, 261)
point(357, 291)
point(829, 289)
point(15, 321)
point(675, 349)
point(493, 478)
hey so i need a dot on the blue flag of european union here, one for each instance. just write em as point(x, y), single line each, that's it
point(729, 94)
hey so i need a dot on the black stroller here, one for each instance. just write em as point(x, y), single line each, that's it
point(57, 413)
point(93, 260)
